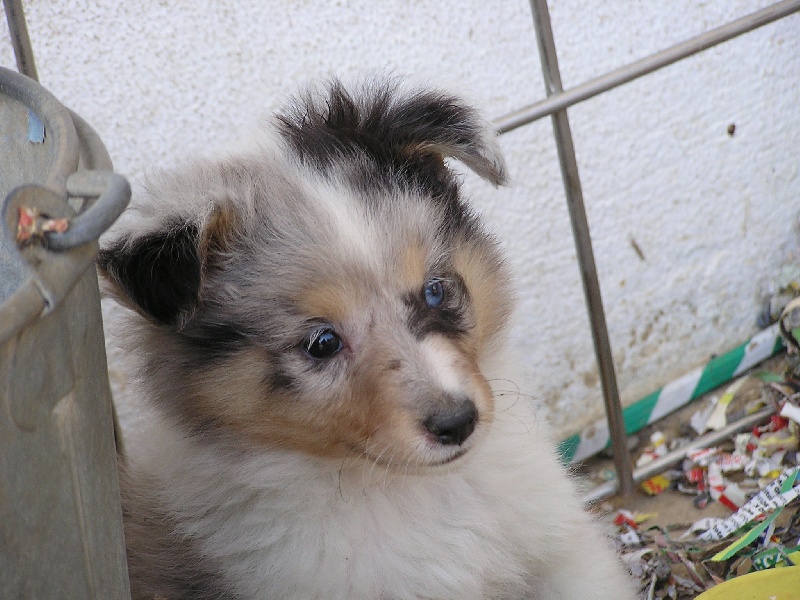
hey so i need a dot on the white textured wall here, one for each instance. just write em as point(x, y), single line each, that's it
point(714, 216)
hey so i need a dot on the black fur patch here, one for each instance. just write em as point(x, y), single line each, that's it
point(157, 543)
point(279, 380)
point(452, 318)
point(388, 134)
point(160, 272)
point(213, 341)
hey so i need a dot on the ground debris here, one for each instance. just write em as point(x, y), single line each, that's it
point(750, 481)
point(672, 564)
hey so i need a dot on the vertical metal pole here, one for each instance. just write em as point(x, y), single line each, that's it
point(583, 246)
point(20, 39)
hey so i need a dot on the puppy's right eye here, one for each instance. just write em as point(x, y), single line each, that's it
point(434, 293)
point(323, 343)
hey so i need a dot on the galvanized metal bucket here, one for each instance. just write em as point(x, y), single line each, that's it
point(61, 532)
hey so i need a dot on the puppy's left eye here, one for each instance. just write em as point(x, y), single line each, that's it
point(434, 293)
point(324, 343)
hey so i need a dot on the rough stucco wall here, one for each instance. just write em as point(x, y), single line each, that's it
point(713, 215)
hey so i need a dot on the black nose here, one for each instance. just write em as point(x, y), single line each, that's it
point(452, 426)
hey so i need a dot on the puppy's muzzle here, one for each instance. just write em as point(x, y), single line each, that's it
point(452, 425)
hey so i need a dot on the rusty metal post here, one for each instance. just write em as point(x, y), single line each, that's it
point(583, 247)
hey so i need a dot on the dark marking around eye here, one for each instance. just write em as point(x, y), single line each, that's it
point(451, 317)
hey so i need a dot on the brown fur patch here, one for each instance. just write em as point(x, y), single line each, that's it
point(489, 287)
point(411, 265)
point(218, 232)
point(330, 301)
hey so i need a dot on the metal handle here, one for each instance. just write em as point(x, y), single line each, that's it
point(113, 192)
point(42, 287)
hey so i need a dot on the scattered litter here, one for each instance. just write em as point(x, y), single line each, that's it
point(655, 485)
point(633, 520)
point(718, 418)
point(754, 475)
point(789, 323)
point(629, 537)
point(625, 517)
point(790, 411)
point(699, 420)
point(656, 449)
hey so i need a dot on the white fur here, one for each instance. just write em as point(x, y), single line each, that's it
point(502, 522)
point(439, 359)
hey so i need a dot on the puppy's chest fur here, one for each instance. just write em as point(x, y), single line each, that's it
point(280, 525)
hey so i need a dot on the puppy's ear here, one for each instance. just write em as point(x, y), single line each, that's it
point(389, 123)
point(160, 273)
point(439, 124)
point(157, 273)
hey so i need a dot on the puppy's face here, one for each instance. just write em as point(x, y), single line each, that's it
point(329, 292)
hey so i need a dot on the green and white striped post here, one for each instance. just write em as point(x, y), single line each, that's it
point(676, 394)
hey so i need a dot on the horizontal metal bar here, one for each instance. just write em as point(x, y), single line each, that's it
point(672, 458)
point(646, 65)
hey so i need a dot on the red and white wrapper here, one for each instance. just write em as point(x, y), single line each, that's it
point(767, 500)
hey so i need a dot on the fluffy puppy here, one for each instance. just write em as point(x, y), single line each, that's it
point(320, 321)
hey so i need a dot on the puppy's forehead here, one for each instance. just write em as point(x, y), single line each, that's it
point(380, 244)
point(341, 286)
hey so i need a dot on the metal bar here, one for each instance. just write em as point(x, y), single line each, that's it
point(672, 458)
point(593, 87)
point(583, 246)
point(20, 39)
